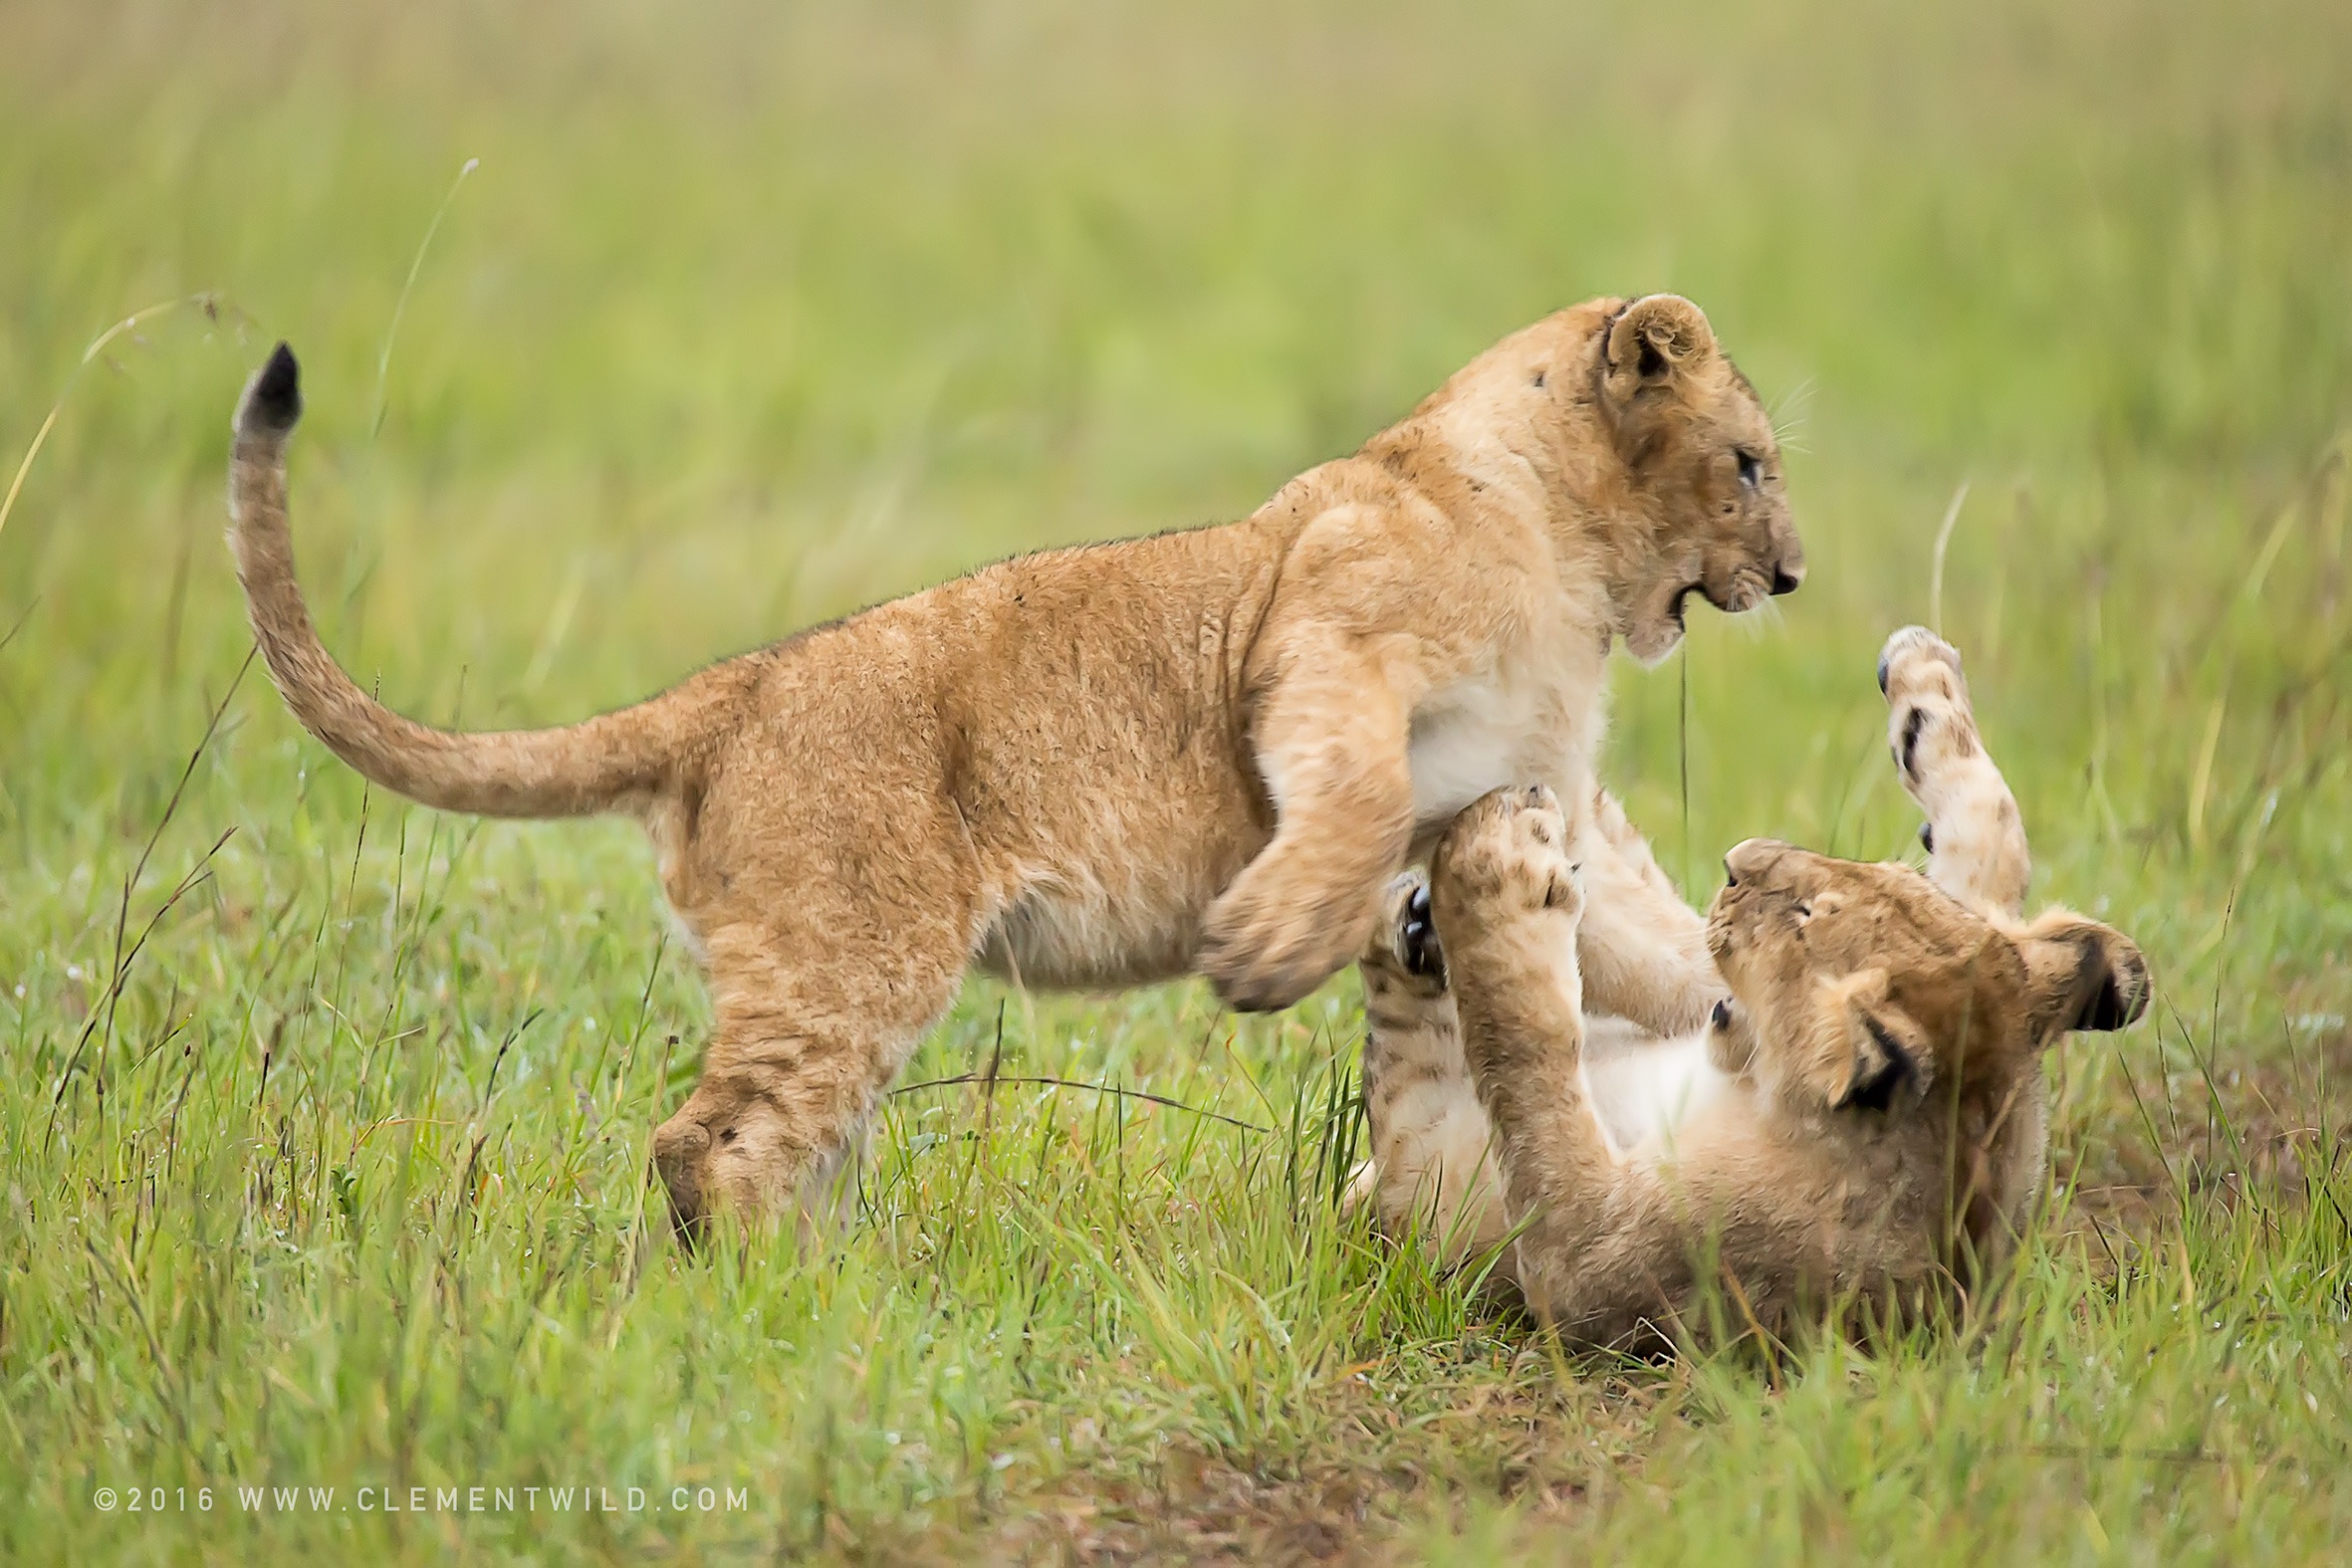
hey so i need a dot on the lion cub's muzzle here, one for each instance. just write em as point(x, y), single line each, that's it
point(1753, 874)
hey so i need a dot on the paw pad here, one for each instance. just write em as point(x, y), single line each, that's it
point(1509, 849)
point(1900, 660)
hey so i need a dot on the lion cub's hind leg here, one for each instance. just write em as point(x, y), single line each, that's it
point(820, 993)
point(1431, 1169)
point(1974, 838)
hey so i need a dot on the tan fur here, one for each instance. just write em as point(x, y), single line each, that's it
point(1870, 1125)
point(1100, 766)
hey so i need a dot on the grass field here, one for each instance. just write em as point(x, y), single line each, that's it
point(325, 1118)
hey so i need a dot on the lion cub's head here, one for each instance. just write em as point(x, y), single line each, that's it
point(1867, 988)
point(1652, 436)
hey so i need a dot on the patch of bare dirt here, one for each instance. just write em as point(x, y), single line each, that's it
point(1547, 1445)
point(2268, 1121)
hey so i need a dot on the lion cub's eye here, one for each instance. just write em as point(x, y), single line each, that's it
point(1750, 469)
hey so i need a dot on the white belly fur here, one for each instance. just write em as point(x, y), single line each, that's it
point(1535, 717)
point(1473, 740)
point(1643, 1088)
point(1435, 1156)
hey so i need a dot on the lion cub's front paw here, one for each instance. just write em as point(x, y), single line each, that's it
point(1899, 659)
point(1929, 723)
point(1249, 977)
point(1975, 841)
point(1506, 855)
point(1266, 946)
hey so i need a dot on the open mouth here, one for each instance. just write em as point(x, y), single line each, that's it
point(1734, 602)
point(1680, 607)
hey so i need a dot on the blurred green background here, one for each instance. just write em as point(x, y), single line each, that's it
point(751, 314)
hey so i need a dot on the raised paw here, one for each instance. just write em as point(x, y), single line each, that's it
point(1928, 717)
point(1507, 853)
point(1250, 975)
point(1404, 950)
point(1268, 942)
point(1896, 658)
point(1973, 835)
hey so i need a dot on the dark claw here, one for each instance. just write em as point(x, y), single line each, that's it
point(1722, 1016)
point(1882, 675)
point(1927, 837)
point(1417, 941)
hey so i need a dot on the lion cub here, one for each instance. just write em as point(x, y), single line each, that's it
point(1862, 1121)
point(1102, 767)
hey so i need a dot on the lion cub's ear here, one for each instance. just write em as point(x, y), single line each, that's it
point(1655, 339)
point(2081, 975)
point(1859, 1050)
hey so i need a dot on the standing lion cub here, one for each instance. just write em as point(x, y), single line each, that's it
point(1111, 765)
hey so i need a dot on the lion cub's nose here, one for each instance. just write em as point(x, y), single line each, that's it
point(1749, 857)
point(1785, 580)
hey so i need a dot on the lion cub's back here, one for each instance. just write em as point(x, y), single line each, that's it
point(1102, 752)
point(1072, 723)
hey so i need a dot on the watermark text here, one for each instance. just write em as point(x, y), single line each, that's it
point(585, 1497)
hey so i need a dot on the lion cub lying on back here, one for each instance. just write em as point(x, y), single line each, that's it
point(1862, 1121)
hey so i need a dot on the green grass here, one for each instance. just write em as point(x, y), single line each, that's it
point(326, 1139)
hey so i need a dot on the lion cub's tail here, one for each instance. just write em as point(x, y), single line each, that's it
point(613, 762)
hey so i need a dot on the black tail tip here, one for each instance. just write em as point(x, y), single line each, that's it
point(273, 401)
